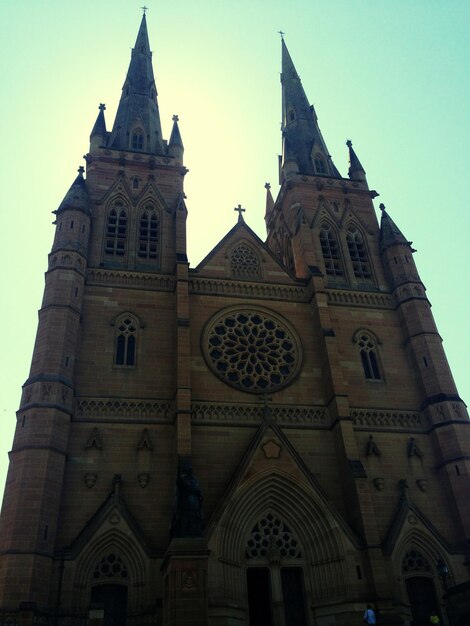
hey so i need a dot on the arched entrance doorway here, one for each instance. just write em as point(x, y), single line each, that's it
point(274, 575)
point(109, 589)
point(418, 576)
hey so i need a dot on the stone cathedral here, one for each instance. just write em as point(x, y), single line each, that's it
point(271, 438)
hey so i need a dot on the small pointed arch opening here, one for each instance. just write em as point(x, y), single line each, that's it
point(116, 230)
point(288, 253)
point(137, 139)
point(245, 262)
point(127, 330)
point(367, 344)
point(330, 251)
point(319, 164)
point(149, 233)
point(358, 253)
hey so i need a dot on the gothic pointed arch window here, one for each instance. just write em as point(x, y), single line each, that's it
point(368, 354)
point(330, 251)
point(149, 233)
point(116, 230)
point(245, 262)
point(319, 164)
point(358, 253)
point(137, 139)
point(125, 352)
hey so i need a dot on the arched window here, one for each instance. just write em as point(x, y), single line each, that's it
point(330, 251)
point(110, 566)
point(137, 140)
point(368, 354)
point(244, 262)
point(319, 165)
point(358, 254)
point(135, 182)
point(149, 234)
point(116, 231)
point(126, 341)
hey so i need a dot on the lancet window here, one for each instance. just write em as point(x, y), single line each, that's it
point(330, 251)
point(126, 341)
point(358, 253)
point(116, 231)
point(137, 140)
point(369, 357)
point(149, 234)
point(319, 165)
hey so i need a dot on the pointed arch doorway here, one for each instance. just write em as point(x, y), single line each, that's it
point(274, 575)
point(112, 598)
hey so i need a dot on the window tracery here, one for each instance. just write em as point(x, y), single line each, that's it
point(244, 262)
point(149, 234)
point(330, 251)
point(116, 230)
point(137, 140)
point(271, 537)
point(126, 341)
point(111, 566)
point(319, 165)
point(414, 561)
point(369, 357)
point(358, 253)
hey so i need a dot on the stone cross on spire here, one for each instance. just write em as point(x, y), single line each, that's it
point(144, 9)
point(240, 211)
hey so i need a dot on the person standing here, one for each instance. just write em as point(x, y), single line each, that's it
point(369, 615)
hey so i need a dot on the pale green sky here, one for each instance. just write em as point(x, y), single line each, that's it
point(391, 75)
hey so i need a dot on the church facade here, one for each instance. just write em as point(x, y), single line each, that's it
point(272, 438)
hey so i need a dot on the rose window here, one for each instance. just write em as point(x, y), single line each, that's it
point(252, 350)
point(271, 537)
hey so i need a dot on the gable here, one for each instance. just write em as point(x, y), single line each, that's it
point(241, 255)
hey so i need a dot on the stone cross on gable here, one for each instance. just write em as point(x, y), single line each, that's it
point(240, 211)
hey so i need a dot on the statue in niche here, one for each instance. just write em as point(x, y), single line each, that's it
point(187, 519)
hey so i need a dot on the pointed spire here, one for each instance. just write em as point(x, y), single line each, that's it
point(98, 133)
point(175, 145)
point(304, 150)
point(77, 196)
point(269, 202)
point(137, 124)
point(390, 234)
point(356, 171)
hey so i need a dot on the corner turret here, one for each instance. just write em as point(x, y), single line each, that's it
point(175, 146)
point(98, 134)
point(356, 171)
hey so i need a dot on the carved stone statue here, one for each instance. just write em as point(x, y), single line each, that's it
point(187, 518)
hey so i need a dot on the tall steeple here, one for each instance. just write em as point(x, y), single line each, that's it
point(137, 124)
point(304, 150)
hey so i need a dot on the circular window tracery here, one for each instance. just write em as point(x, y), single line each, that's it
point(272, 537)
point(414, 561)
point(252, 350)
point(110, 566)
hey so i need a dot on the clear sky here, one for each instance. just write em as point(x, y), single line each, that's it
point(392, 75)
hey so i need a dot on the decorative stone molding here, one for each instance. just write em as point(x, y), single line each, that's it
point(90, 479)
point(208, 413)
point(364, 418)
point(105, 408)
point(422, 484)
point(379, 483)
point(143, 479)
point(360, 298)
point(247, 289)
point(120, 278)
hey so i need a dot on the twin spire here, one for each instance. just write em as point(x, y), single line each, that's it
point(137, 124)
